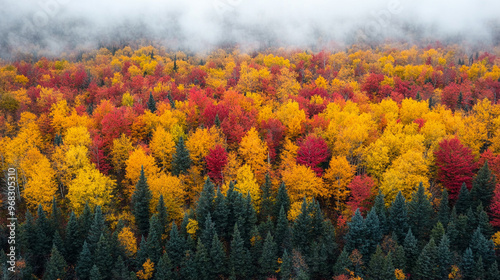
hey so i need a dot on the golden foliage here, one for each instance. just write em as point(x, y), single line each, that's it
point(128, 241)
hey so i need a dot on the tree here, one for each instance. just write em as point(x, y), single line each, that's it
point(302, 181)
point(202, 261)
point(218, 259)
point(444, 257)
point(72, 242)
point(443, 214)
point(286, 266)
point(495, 208)
point(180, 159)
point(239, 256)
point(205, 205)
point(140, 204)
point(153, 244)
point(268, 260)
point(463, 202)
point(467, 266)
point(455, 164)
point(313, 152)
point(163, 146)
point(377, 267)
point(85, 262)
point(247, 184)
point(302, 229)
point(56, 266)
point(283, 233)
point(216, 160)
point(282, 200)
point(164, 268)
point(412, 252)
point(175, 247)
point(40, 186)
point(398, 216)
point(161, 210)
point(356, 236)
point(254, 153)
point(267, 204)
point(337, 178)
point(483, 187)
point(426, 266)
point(420, 213)
point(103, 258)
point(95, 274)
point(151, 103)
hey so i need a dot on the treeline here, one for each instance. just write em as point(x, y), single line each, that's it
point(225, 237)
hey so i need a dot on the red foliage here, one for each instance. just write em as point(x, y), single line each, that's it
point(197, 77)
point(312, 152)
point(113, 125)
point(371, 86)
point(420, 122)
point(495, 208)
point(216, 160)
point(273, 131)
point(493, 162)
point(360, 187)
point(455, 164)
point(97, 155)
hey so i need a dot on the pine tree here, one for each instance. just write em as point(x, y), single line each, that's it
point(373, 233)
point(175, 247)
point(58, 243)
point(85, 221)
point(103, 258)
point(239, 256)
point(97, 228)
point(162, 215)
point(467, 267)
point(266, 205)
point(221, 213)
point(72, 241)
point(482, 247)
point(205, 204)
point(317, 219)
point(483, 187)
point(56, 219)
point(302, 229)
point(208, 231)
point(140, 203)
point(120, 271)
point(268, 260)
point(420, 213)
point(218, 259)
point(154, 247)
point(175, 63)
point(356, 236)
point(444, 257)
point(460, 101)
point(493, 273)
point(151, 103)
point(256, 246)
point(85, 262)
point(95, 274)
point(378, 266)
point(463, 202)
point(44, 233)
point(202, 261)
point(283, 234)
point(438, 231)
point(142, 253)
point(411, 250)
point(164, 268)
point(286, 266)
point(342, 264)
point(55, 268)
point(444, 209)
point(180, 159)
point(381, 211)
point(483, 221)
point(398, 217)
point(426, 266)
point(399, 258)
point(282, 199)
point(171, 101)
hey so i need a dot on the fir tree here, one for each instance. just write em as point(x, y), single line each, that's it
point(493, 273)
point(162, 215)
point(282, 199)
point(342, 264)
point(103, 258)
point(467, 266)
point(438, 231)
point(56, 216)
point(58, 243)
point(399, 258)
point(463, 202)
point(164, 268)
point(208, 231)
point(239, 256)
point(72, 241)
point(180, 159)
point(55, 268)
point(444, 209)
point(483, 187)
point(154, 247)
point(266, 205)
point(302, 229)
point(151, 103)
point(85, 262)
point(381, 211)
point(217, 121)
point(426, 266)
point(171, 101)
point(411, 250)
point(140, 203)
point(218, 259)
point(356, 236)
point(398, 217)
point(202, 261)
point(221, 213)
point(377, 267)
point(373, 233)
point(286, 266)
point(44, 233)
point(95, 273)
point(482, 247)
point(175, 247)
point(142, 253)
point(85, 221)
point(268, 260)
point(420, 213)
point(205, 204)
point(283, 234)
point(120, 271)
point(444, 257)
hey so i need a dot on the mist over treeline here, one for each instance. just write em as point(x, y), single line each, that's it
point(51, 27)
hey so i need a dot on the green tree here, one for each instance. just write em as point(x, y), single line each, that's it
point(103, 258)
point(239, 256)
point(467, 266)
point(411, 251)
point(420, 213)
point(140, 203)
point(221, 213)
point(266, 205)
point(302, 229)
point(286, 266)
point(283, 234)
point(483, 187)
point(205, 204)
point(85, 262)
point(180, 159)
point(378, 267)
point(97, 229)
point(373, 233)
point(153, 244)
point(164, 268)
point(282, 199)
point(85, 221)
point(381, 211)
point(151, 103)
point(426, 266)
point(342, 264)
point(438, 231)
point(398, 217)
point(443, 214)
point(444, 257)
point(161, 210)
point(120, 271)
point(95, 274)
point(463, 202)
point(268, 260)
point(175, 247)
point(55, 268)
point(356, 236)
point(218, 259)
point(72, 241)
point(202, 260)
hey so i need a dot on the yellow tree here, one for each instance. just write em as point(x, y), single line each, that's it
point(90, 186)
point(138, 158)
point(128, 241)
point(292, 117)
point(201, 141)
point(287, 85)
point(173, 191)
point(230, 169)
point(40, 185)
point(253, 151)
point(247, 184)
point(302, 181)
point(122, 147)
point(337, 178)
point(77, 136)
point(163, 146)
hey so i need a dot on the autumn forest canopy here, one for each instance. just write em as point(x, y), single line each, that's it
point(375, 162)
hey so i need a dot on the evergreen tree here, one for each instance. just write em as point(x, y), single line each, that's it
point(483, 221)
point(164, 268)
point(482, 247)
point(140, 203)
point(208, 232)
point(418, 97)
point(266, 204)
point(180, 159)
point(444, 209)
point(381, 211)
point(85, 221)
point(202, 261)
point(217, 121)
point(302, 229)
point(398, 217)
point(444, 257)
point(467, 267)
point(317, 219)
point(56, 219)
point(44, 233)
point(356, 236)
point(142, 253)
point(480, 271)
point(493, 273)
point(411, 251)
point(373, 233)
point(221, 213)
point(171, 101)
point(97, 229)
point(218, 259)
point(154, 247)
point(483, 187)
point(175, 247)
point(85, 262)
point(55, 268)
point(95, 274)
point(256, 246)
point(205, 206)
point(162, 214)
point(463, 202)
point(342, 264)
point(58, 243)
point(120, 271)
point(151, 103)
point(399, 258)
point(72, 241)
point(282, 199)
point(378, 266)
point(283, 234)
point(438, 231)
point(329, 241)
point(426, 266)
point(268, 260)
point(103, 258)
point(239, 256)
point(420, 213)
point(286, 266)
point(460, 101)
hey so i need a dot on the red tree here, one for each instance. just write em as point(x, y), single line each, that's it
point(455, 164)
point(371, 85)
point(216, 160)
point(312, 152)
point(360, 187)
point(495, 208)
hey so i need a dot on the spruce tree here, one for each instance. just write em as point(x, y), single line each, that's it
point(218, 259)
point(140, 203)
point(378, 266)
point(151, 103)
point(208, 232)
point(356, 236)
point(239, 256)
point(399, 258)
point(493, 273)
point(483, 187)
point(438, 231)
point(444, 257)
point(175, 246)
point(266, 204)
point(426, 266)
point(420, 213)
point(72, 241)
point(55, 268)
point(205, 204)
point(180, 159)
point(142, 253)
point(463, 202)
point(97, 228)
point(282, 199)
point(483, 221)
point(162, 215)
point(95, 273)
point(202, 261)
point(221, 213)
point(283, 234)
point(398, 217)
point(85, 221)
point(286, 266)
point(343, 263)
point(444, 209)
point(164, 268)
point(154, 247)
point(217, 121)
point(171, 101)
point(317, 219)
point(467, 266)
point(381, 211)
point(373, 233)
point(268, 260)
point(120, 271)
point(483, 247)
point(103, 258)
point(56, 219)
point(58, 243)
point(411, 250)
point(44, 233)
point(302, 229)
point(85, 262)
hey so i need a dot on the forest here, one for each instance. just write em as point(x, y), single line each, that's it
point(147, 163)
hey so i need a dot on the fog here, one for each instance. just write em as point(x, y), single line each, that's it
point(50, 27)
